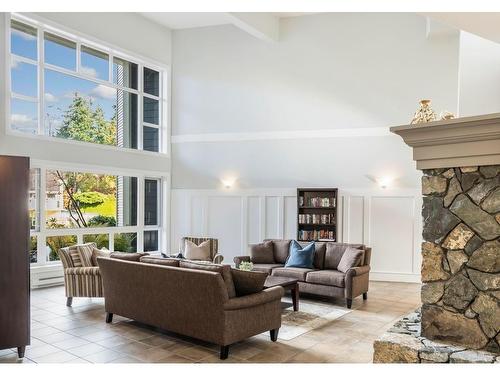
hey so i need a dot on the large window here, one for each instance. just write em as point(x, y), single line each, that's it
point(65, 87)
point(69, 207)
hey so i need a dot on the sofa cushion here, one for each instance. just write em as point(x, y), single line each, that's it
point(171, 262)
point(351, 258)
point(197, 252)
point(262, 267)
point(224, 270)
point(300, 257)
point(319, 253)
point(248, 282)
point(99, 253)
point(296, 273)
point(131, 257)
point(281, 249)
point(262, 252)
point(327, 277)
point(334, 252)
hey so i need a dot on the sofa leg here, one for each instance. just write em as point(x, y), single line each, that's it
point(224, 351)
point(274, 334)
point(69, 301)
point(365, 296)
point(109, 317)
point(20, 351)
point(348, 302)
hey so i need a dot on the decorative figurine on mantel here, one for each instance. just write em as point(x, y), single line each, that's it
point(424, 114)
point(446, 115)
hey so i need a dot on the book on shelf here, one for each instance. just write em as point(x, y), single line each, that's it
point(318, 202)
point(316, 219)
point(317, 235)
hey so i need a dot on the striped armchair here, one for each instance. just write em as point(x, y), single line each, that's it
point(214, 246)
point(82, 277)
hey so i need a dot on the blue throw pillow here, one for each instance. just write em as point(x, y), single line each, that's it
point(300, 257)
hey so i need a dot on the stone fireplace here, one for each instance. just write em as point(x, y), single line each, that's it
point(459, 320)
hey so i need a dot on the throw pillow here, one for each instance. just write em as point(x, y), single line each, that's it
point(224, 270)
point(85, 251)
point(351, 258)
point(66, 260)
point(75, 256)
point(172, 262)
point(248, 282)
point(262, 252)
point(281, 248)
point(197, 252)
point(131, 257)
point(99, 253)
point(300, 257)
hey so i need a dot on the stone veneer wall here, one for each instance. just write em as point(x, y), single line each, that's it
point(461, 256)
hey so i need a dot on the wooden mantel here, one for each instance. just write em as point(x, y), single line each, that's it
point(460, 142)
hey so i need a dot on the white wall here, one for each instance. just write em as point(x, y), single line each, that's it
point(388, 221)
point(311, 110)
point(479, 75)
point(233, 94)
point(130, 32)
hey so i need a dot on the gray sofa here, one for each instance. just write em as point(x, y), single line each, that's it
point(200, 301)
point(324, 279)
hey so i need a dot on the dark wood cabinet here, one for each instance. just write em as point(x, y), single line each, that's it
point(317, 214)
point(14, 254)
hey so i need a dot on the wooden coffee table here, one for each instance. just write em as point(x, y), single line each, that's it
point(288, 283)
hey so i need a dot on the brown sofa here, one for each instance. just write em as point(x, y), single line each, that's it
point(189, 301)
point(324, 279)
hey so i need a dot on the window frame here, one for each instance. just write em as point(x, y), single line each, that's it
point(43, 26)
point(41, 233)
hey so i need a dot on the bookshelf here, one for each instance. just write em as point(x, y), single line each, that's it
point(317, 214)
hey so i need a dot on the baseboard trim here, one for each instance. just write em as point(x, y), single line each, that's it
point(395, 277)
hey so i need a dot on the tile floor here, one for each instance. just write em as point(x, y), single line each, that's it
point(79, 334)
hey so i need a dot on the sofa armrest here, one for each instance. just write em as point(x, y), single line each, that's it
point(218, 258)
point(82, 271)
point(242, 258)
point(356, 271)
point(357, 280)
point(255, 299)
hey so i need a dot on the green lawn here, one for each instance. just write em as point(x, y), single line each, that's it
point(107, 208)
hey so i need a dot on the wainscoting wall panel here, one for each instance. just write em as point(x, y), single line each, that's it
point(225, 223)
point(271, 218)
point(387, 220)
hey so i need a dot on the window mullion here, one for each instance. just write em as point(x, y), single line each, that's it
point(140, 143)
point(41, 82)
point(110, 68)
point(42, 241)
point(78, 53)
point(140, 213)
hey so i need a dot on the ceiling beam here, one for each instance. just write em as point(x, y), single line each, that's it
point(484, 25)
point(435, 29)
point(264, 26)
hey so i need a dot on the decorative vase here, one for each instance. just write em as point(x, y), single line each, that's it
point(424, 114)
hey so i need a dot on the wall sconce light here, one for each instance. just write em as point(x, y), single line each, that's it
point(228, 182)
point(384, 182)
